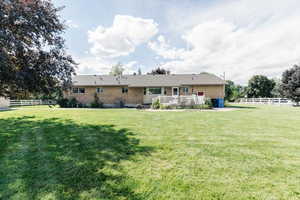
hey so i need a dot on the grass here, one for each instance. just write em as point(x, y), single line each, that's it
point(250, 153)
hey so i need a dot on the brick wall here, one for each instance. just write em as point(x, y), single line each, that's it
point(110, 95)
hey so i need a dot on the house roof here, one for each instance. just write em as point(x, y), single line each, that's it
point(147, 80)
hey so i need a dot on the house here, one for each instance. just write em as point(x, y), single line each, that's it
point(133, 90)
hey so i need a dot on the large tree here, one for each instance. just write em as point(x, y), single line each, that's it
point(32, 51)
point(260, 86)
point(233, 91)
point(117, 70)
point(290, 86)
point(159, 70)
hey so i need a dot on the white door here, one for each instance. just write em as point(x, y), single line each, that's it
point(175, 91)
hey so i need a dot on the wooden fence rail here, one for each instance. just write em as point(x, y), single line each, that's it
point(277, 101)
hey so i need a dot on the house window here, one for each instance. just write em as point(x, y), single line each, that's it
point(185, 90)
point(99, 90)
point(124, 90)
point(78, 90)
point(154, 90)
point(145, 91)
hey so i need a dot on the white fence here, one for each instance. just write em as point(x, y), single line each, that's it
point(31, 102)
point(4, 103)
point(180, 100)
point(277, 101)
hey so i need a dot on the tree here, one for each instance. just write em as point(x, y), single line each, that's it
point(276, 92)
point(32, 51)
point(117, 70)
point(159, 70)
point(290, 86)
point(139, 71)
point(229, 88)
point(234, 92)
point(260, 86)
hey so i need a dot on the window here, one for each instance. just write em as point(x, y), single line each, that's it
point(78, 90)
point(145, 91)
point(175, 91)
point(81, 90)
point(124, 90)
point(99, 90)
point(185, 90)
point(75, 90)
point(154, 90)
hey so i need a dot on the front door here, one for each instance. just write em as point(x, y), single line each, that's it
point(175, 91)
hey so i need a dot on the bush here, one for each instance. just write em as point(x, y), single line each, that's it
point(139, 106)
point(73, 103)
point(63, 103)
point(208, 103)
point(155, 104)
point(96, 103)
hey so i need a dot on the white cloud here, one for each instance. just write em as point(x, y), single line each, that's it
point(72, 24)
point(240, 37)
point(93, 65)
point(122, 37)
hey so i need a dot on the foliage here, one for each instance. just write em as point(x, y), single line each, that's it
point(139, 71)
point(63, 103)
point(208, 102)
point(160, 71)
point(69, 103)
point(167, 107)
point(290, 86)
point(139, 106)
point(96, 103)
point(260, 86)
point(32, 54)
point(234, 92)
point(73, 103)
point(117, 70)
point(155, 104)
point(229, 88)
point(276, 92)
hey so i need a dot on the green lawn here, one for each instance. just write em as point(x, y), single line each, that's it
point(251, 153)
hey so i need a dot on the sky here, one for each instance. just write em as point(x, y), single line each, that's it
point(240, 38)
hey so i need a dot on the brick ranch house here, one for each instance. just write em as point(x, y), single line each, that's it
point(133, 90)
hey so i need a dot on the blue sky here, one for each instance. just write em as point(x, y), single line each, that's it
point(239, 37)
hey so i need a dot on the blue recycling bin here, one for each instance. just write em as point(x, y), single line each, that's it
point(220, 103)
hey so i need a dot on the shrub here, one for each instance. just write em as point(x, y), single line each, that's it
point(73, 103)
point(139, 106)
point(63, 103)
point(96, 103)
point(155, 104)
point(208, 103)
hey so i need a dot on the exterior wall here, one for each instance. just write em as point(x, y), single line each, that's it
point(109, 96)
point(211, 91)
point(112, 94)
point(4, 103)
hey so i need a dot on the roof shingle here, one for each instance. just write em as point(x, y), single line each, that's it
point(147, 80)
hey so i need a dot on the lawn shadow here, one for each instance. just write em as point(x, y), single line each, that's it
point(241, 106)
point(65, 160)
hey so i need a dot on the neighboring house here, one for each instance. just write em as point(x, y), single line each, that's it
point(140, 89)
